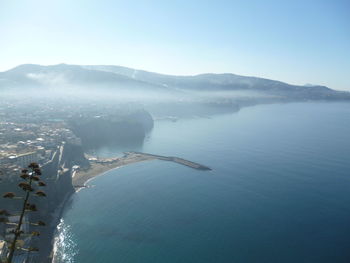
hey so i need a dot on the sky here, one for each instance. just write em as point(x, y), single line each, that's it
point(299, 42)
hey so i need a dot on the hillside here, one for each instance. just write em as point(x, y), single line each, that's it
point(117, 78)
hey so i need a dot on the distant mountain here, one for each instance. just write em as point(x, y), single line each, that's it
point(36, 76)
point(117, 77)
point(228, 81)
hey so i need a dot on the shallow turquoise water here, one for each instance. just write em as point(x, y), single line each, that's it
point(279, 192)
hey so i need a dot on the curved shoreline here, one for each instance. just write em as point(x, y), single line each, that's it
point(100, 166)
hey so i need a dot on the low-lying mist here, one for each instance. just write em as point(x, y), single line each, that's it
point(125, 94)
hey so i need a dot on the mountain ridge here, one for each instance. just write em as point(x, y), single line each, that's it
point(119, 77)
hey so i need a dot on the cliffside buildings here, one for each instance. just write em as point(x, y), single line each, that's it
point(23, 143)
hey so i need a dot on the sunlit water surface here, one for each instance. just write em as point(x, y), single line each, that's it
point(279, 192)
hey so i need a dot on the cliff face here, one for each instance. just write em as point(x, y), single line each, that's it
point(57, 173)
point(95, 132)
point(143, 118)
point(73, 155)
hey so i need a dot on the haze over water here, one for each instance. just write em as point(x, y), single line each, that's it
point(279, 192)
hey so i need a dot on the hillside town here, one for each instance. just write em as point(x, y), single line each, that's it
point(24, 139)
point(51, 134)
point(23, 143)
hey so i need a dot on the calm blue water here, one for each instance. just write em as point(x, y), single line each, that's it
point(279, 192)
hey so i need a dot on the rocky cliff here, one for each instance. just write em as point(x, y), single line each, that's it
point(125, 129)
point(57, 173)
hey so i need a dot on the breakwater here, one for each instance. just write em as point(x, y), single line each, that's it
point(172, 159)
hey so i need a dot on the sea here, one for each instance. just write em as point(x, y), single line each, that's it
point(278, 192)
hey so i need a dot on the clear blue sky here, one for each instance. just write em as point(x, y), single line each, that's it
point(294, 41)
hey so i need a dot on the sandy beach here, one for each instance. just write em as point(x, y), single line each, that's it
point(100, 166)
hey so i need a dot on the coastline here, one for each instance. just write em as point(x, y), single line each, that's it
point(79, 180)
point(99, 167)
point(57, 216)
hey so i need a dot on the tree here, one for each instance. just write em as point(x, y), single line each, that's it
point(30, 185)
